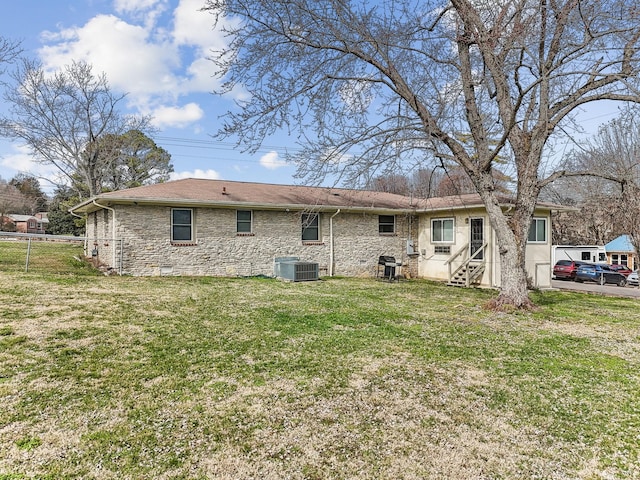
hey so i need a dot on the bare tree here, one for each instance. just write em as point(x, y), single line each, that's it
point(391, 183)
point(370, 84)
point(29, 187)
point(62, 117)
point(607, 181)
point(11, 201)
point(9, 51)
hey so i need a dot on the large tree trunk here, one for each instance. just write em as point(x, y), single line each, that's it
point(511, 236)
point(513, 276)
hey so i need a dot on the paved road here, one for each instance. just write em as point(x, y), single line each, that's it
point(633, 292)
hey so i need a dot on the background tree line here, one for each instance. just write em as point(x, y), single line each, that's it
point(602, 185)
point(72, 120)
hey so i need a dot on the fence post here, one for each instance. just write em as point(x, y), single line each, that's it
point(26, 263)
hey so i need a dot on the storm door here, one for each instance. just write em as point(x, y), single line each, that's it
point(476, 240)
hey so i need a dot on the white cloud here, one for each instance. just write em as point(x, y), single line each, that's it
point(155, 61)
point(136, 5)
point(197, 173)
point(146, 11)
point(272, 161)
point(177, 116)
point(192, 26)
point(19, 160)
point(124, 52)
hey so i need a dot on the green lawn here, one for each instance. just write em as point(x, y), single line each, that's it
point(42, 256)
point(186, 378)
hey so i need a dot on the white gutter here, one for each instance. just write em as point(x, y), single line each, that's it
point(251, 205)
point(113, 242)
point(331, 242)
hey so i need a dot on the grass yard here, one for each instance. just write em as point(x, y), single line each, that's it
point(201, 378)
point(43, 256)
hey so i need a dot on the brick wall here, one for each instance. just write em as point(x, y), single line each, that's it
point(219, 251)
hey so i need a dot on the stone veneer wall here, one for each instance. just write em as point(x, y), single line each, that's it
point(219, 251)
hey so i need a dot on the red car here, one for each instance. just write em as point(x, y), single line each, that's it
point(566, 269)
point(623, 269)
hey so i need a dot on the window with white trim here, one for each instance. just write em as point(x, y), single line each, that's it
point(386, 224)
point(310, 227)
point(181, 225)
point(620, 259)
point(538, 231)
point(244, 221)
point(442, 230)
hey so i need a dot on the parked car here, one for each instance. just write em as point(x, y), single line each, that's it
point(566, 269)
point(623, 269)
point(632, 279)
point(600, 274)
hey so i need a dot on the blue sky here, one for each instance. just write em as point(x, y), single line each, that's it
point(154, 50)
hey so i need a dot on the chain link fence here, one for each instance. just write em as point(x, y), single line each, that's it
point(23, 252)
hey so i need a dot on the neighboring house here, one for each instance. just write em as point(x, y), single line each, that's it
point(620, 251)
point(28, 223)
point(224, 228)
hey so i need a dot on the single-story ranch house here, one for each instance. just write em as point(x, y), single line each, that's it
point(226, 228)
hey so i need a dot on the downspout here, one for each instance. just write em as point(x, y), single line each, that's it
point(331, 253)
point(113, 242)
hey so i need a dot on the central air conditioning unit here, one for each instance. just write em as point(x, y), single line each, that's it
point(296, 271)
point(278, 261)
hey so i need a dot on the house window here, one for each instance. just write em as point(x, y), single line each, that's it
point(244, 220)
point(442, 250)
point(442, 230)
point(538, 231)
point(386, 224)
point(310, 227)
point(620, 259)
point(181, 225)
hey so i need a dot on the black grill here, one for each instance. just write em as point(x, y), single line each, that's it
point(389, 267)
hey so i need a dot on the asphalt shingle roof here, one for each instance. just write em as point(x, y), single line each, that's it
point(224, 193)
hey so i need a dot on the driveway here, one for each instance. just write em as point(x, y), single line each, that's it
point(613, 290)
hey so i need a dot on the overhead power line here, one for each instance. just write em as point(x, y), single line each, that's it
point(217, 145)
